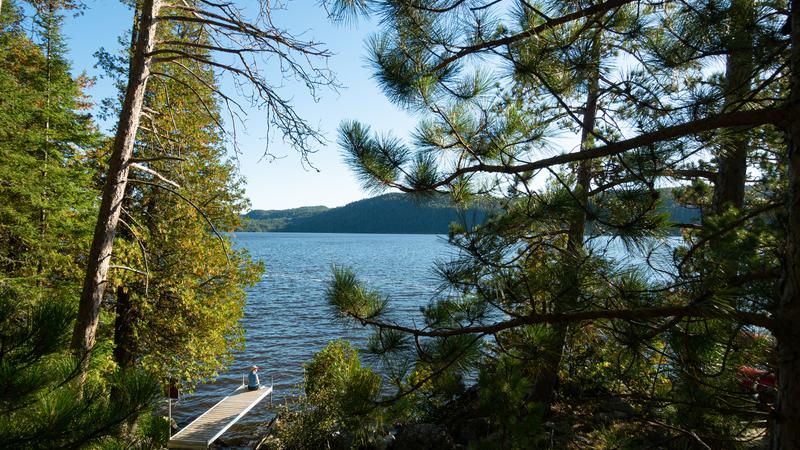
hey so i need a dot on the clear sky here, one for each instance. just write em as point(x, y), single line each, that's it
point(282, 183)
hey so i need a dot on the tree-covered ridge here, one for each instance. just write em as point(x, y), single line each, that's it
point(388, 213)
point(402, 214)
point(277, 220)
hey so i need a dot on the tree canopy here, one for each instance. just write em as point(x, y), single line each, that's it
point(575, 113)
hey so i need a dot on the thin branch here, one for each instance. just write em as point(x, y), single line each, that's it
point(130, 269)
point(154, 173)
point(193, 205)
point(157, 158)
point(592, 10)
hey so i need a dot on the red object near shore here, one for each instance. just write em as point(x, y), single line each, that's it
point(755, 379)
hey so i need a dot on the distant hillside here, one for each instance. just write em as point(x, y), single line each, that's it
point(678, 213)
point(388, 213)
point(392, 213)
point(277, 220)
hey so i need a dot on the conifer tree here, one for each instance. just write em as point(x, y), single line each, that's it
point(46, 197)
point(184, 194)
point(663, 111)
point(705, 381)
point(44, 208)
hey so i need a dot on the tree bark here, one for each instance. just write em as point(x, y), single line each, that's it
point(51, 14)
point(729, 190)
point(547, 379)
point(786, 433)
point(124, 338)
point(114, 190)
point(732, 174)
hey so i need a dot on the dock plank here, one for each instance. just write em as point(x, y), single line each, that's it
point(210, 425)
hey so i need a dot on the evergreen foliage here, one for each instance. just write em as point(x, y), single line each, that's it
point(574, 113)
point(178, 282)
point(44, 180)
point(42, 401)
point(46, 206)
point(188, 292)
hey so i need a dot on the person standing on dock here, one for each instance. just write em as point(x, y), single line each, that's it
point(252, 379)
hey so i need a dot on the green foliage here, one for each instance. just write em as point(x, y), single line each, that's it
point(194, 279)
point(42, 404)
point(44, 182)
point(504, 388)
point(350, 296)
point(50, 158)
point(339, 409)
point(34, 334)
point(47, 199)
point(336, 374)
point(498, 92)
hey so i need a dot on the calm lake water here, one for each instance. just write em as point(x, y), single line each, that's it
point(287, 319)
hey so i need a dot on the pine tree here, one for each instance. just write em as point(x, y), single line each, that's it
point(184, 194)
point(46, 196)
point(662, 112)
point(44, 206)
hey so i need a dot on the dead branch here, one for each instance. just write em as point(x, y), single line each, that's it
point(154, 173)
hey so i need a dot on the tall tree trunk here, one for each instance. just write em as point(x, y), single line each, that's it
point(547, 378)
point(728, 192)
point(124, 335)
point(786, 434)
point(51, 14)
point(732, 174)
point(114, 190)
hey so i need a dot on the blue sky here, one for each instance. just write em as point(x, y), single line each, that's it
point(284, 182)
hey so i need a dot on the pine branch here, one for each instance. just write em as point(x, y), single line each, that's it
point(551, 23)
point(776, 116)
point(635, 314)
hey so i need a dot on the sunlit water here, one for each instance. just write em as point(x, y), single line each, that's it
point(287, 319)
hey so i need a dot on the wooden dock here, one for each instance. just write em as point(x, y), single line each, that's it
point(211, 424)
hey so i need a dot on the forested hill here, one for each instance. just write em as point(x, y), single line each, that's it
point(390, 213)
point(277, 220)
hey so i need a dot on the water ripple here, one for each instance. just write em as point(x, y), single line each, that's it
point(287, 319)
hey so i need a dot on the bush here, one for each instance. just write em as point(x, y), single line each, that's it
point(338, 410)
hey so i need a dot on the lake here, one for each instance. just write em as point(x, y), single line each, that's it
point(287, 319)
